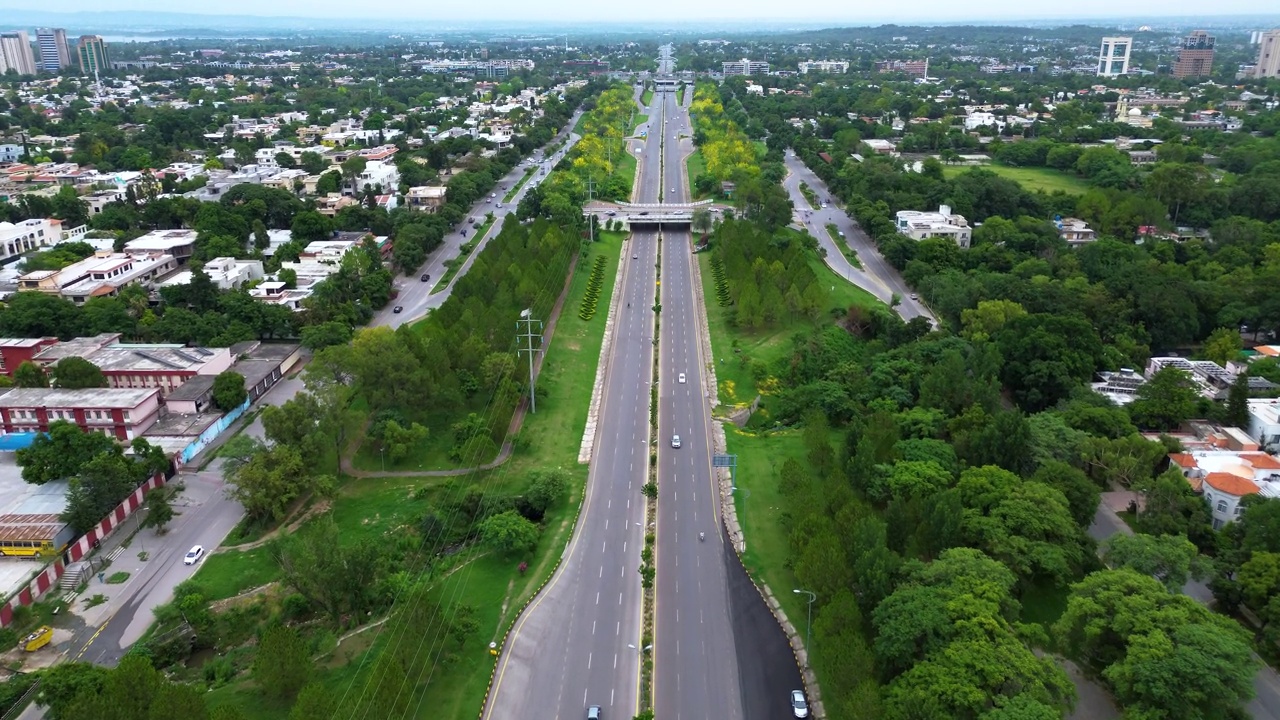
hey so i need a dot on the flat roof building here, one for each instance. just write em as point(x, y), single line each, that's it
point(1195, 56)
point(745, 67)
point(178, 243)
point(119, 413)
point(921, 225)
point(1268, 65)
point(824, 66)
point(99, 275)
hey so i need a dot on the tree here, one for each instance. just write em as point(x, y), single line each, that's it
point(30, 375)
point(309, 226)
point(312, 162)
point(330, 182)
point(61, 452)
point(509, 533)
point(326, 334)
point(353, 166)
point(269, 481)
point(701, 221)
point(1171, 559)
point(1238, 401)
point(283, 664)
point(547, 487)
point(315, 701)
point(284, 160)
point(1165, 401)
point(101, 484)
point(1164, 654)
point(1222, 346)
point(229, 392)
point(61, 684)
point(337, 577)
point(75, 373)
point(159, 510)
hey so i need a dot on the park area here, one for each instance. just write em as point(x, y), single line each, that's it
point(1031, 178)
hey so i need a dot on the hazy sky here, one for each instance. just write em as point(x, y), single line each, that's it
point(858, 12)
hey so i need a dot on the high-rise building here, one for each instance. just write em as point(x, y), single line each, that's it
point(824, 66)
point(16, 54)
point(92, 52)
point(54, 54)
point(1268, 55)
point(1113, 56)
point(745, 67)
point(1195, 56)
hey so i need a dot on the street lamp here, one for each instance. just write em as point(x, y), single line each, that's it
point(808, 630)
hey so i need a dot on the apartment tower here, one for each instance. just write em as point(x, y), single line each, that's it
point(54, 53)
point(1195, 56)
point(1268, 55)
point(16, 54)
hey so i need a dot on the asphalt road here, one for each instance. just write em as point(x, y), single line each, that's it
point(719, 652)
point(578, 644)
point(415, 297)
point(875, 276)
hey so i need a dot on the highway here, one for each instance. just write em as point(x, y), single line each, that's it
point(718, 651)
point(876, 276)
point(578, 644)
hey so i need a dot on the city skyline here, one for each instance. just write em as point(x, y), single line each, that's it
point(744, 12)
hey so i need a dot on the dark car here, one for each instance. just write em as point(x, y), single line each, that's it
point(426, 277)
point(397, 309)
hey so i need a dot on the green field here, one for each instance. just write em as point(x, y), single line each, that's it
point(1031, 178)
point(376, 509)
point(646, 98)
point(637, 122)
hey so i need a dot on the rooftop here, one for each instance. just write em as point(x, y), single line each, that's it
point(93, 398)
point(163, 240)
point(151, 357)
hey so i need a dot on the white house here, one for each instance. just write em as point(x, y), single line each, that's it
point(1225, 477)
point(919, 225)
point(227, 273)
point(376, 173)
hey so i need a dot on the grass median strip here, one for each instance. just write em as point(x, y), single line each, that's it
point(839, 239)
point(528, 173)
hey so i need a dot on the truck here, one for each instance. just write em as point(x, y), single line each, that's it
point(38, 639)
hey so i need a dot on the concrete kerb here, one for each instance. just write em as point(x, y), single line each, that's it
point(729, 513)
point(597, 391)
point(502, 644)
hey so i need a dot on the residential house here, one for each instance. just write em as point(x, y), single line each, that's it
point(1224, 478)
point(227, 273)
point(1075, 231)
point(100, 275)
point(920, 225)
point(426, 198)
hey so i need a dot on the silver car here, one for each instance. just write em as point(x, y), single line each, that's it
point(799, 706)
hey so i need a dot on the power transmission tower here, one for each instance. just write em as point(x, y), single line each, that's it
point(527, 319)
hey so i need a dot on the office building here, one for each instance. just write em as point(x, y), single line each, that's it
point(54, 53)
point(1268, 65)
point(1113, 56)
point(746, 67)
point(1195, 56)
point(92, 53)
point(914, 68)
point(16, 54)
point(824, 66)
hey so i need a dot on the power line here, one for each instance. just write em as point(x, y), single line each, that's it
point(528, 335)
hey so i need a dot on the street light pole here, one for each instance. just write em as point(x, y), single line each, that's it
point(808, 629)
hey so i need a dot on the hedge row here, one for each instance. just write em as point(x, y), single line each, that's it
point(591, 298)
point(722, 285)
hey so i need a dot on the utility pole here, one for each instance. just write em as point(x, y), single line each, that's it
point(591, 226)
point(526, 317)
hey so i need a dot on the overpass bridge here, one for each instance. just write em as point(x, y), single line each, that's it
point(649, 215)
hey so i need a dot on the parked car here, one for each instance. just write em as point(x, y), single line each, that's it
point(193, 555)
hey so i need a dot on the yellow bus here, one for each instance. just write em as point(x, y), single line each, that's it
point(33, 536)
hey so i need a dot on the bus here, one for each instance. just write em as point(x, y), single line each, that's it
point(34, 536)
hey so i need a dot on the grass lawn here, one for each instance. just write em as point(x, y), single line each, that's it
point(637, 122)
point(842, 293)
point(694, 167)
point(1031, 178)
point(625, 168)
point(840, 242)
point(646, 98)
point(229, 573)
point(512, 192)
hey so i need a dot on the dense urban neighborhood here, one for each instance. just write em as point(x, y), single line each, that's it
point(907, 372)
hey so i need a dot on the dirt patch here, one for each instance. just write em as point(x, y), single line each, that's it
point(245, 597)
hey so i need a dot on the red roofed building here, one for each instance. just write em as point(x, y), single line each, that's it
point(1224, 478)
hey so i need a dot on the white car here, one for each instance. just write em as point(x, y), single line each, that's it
point(193, 555)
point(799, 706)
point(675, 441)
point(680, 378)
